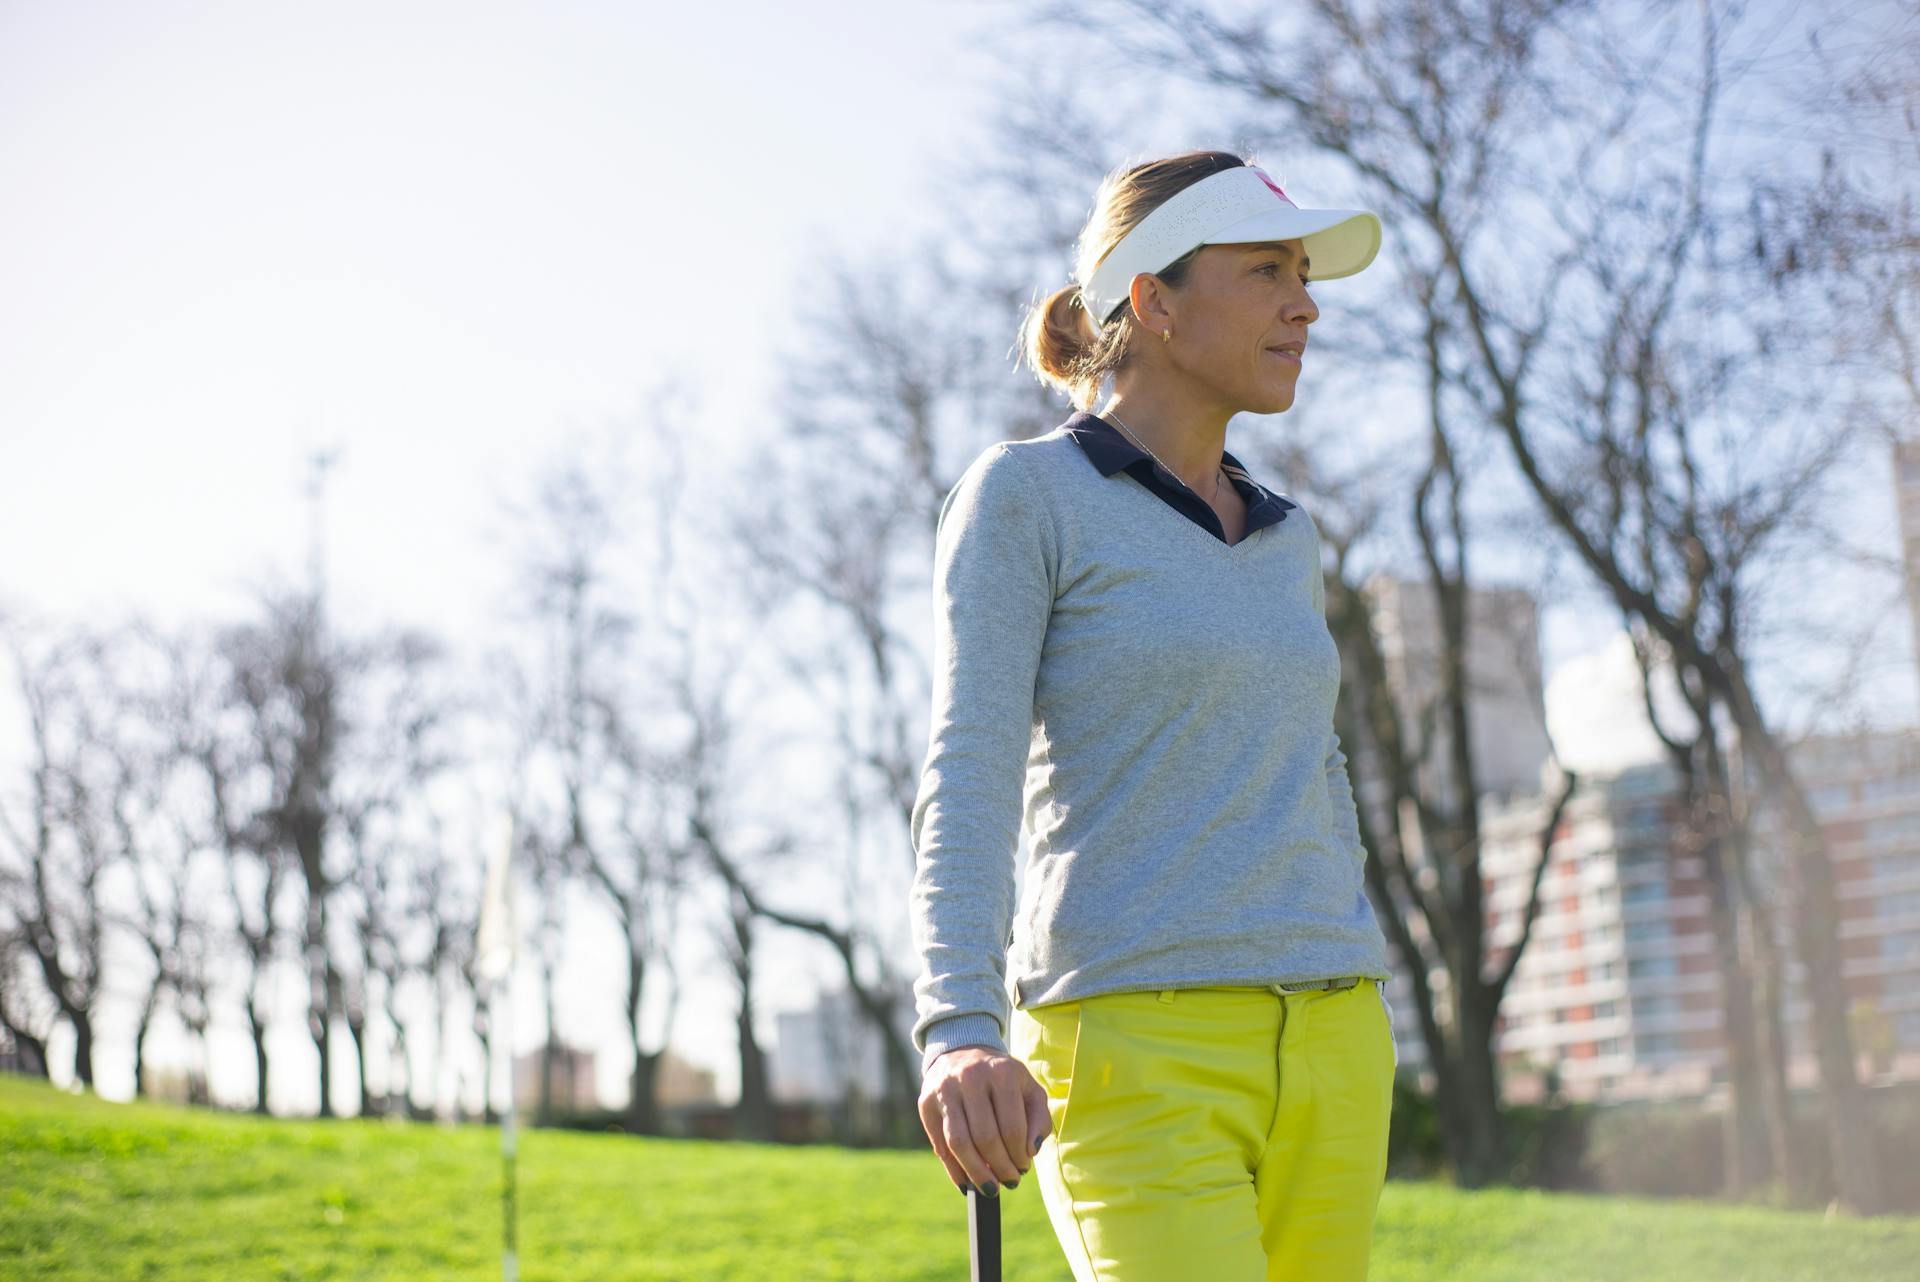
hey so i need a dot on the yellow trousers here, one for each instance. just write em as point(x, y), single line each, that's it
point(1230, 1134)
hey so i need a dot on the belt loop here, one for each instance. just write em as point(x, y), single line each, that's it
point(1166, 994)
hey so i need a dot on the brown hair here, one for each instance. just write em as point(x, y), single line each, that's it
point(1060, 341)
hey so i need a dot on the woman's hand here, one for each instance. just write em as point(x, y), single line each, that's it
point(986, 1116)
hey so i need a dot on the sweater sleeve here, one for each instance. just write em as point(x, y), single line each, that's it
point(1346, 815)
point(994, 565)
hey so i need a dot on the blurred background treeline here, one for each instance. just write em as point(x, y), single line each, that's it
point(1616, 453)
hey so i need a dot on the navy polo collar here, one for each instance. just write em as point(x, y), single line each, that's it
point(1110, 452)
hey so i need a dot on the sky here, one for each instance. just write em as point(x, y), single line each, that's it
point(431, 235)
point(436, 238)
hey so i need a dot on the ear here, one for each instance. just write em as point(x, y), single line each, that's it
point(1147, 296)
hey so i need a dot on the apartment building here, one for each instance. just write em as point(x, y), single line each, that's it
point(1864, 790)
point(1618, 994)
point(830, 1050)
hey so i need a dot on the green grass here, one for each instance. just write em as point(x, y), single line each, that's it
point(96, 1190)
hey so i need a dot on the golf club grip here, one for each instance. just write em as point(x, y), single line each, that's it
point(983, 1236)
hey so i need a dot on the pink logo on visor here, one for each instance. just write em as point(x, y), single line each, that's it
point(1272, 184)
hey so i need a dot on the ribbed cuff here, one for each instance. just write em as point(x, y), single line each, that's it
point(955, 1031)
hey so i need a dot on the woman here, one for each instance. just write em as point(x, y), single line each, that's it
point(1132, 664)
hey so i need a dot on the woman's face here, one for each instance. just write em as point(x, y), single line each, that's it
point(1241, 302)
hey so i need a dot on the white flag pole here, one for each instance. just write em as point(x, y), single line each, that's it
point(494, 948)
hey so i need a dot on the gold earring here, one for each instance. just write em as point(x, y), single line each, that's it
point(1166, 336)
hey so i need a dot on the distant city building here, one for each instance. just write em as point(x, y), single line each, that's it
point(1864, 790)
point(1617, 994)
point(1506, 709)
point(680, 1083)
point(573, 1087)
point(831, 1050)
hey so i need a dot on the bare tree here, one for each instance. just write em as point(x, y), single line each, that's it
point(26, 1029)
point(287, 676)
point(466, 960)
point(902, 376)
point(171, 924)
point(370, 875)
point(59, 857)
point(1851, 224)
point(583, 712)
point(418, 947)
point(198, 707)
point(388, 763)
point(449, 905)
point(753, 1115)
point(1756, 1141)
point(166, 856)
point(702, 777)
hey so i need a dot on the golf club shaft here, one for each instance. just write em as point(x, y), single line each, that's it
point(983, 1236)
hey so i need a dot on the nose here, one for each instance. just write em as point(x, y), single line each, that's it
point(1301, 308)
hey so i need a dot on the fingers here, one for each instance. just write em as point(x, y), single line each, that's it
point(932, 1121)
point(1039, 1114)
point(987, 1118)
point(986, 1151)
point(1010, 1110)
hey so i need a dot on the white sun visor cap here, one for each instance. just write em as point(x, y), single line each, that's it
point(1232, 207)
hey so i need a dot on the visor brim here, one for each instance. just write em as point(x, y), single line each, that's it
point(1340, 242)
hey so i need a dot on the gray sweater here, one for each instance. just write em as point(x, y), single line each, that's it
point(1152, 708)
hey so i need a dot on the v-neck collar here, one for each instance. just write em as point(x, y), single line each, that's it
point(1110, 452)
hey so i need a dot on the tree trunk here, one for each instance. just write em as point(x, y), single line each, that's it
point(1850, 1138)
point(544, 1114)
point(199, 1075)
point(320, 991)
point(1745, 1139)
point(643, 1103)
point(1770, 1032)
point(140, 1043)
point(400, 1073)
point(1762, 959)
point(29, 1052)
point(257, 1026)
point(357, 1029)
point(483, 1029)
point(1480, 1132)
point(755, 1109)
point(82, 1046)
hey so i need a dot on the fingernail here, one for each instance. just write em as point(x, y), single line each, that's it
point(992, 1189)
point(1038, 1140)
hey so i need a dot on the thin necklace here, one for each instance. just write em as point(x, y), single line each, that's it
point(1218, 471)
